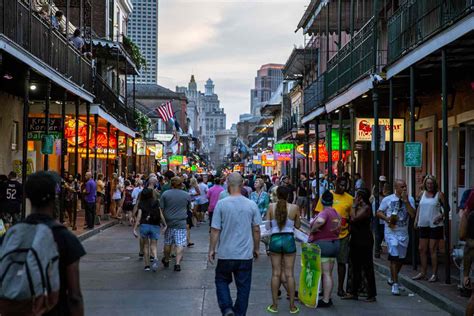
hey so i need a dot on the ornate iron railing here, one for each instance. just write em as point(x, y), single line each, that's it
point(314, 95)
point(32, 33)
point(287, 126)
point(417, 20)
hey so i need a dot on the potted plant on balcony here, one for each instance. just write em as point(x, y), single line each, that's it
point(143, 123)
point(134, 51)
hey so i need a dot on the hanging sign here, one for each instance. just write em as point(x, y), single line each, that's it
point(283, 156)
point(37, 128)
point(163, 137)
point(363, 129)
point(194, 168)
point(141, 148)
point(283, 147)
point(70, 131)
point(163, 162)
point(413, 154)
point(335, 140)
point(47, 142)
point(158, 151)
point(176, 160)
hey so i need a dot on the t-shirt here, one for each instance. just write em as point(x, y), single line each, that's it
point(213, 196)
point(13, 196)
point(202, 198)
point(135, 193)
point(235, 217)
point(165, 187)
point(150, 212)
point(342, 204)
point(303, 188)
point(330, 229)
point(175, 205)
point(470, 225)
point(90, 191)
point(70, 250)
point(392, 204)
point(291, 193)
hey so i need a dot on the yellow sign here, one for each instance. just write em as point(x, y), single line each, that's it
point(256, 162)
point(364, 129)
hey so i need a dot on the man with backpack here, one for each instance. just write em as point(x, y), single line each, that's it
point(48, 250)
point(13, 195)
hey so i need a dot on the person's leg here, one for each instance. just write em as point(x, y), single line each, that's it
point(470, 306)
point(356, 273)
point(167, 248)
point(276, 259)
point(327, 267)
point(154, 248)
point(223, 278)
point(243, 281)
point(289, 264)
point(394, 270)
point(146, 246)
point(179, 254)
point(180, 242)
point(423, 248)
point(434, 244)
point(368, 269)
point(188, 234)
point(342, 260)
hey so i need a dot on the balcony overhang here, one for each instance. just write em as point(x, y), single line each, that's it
point(96, 109)
point(315, 17)
point(314, 114)
point(110, 49)
point(42, 68)
point(270, 109)
point(356, 90)
point(442, 39)
point(297, 63)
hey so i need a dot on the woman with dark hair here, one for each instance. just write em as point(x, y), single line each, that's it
point(282, 219)
point(149, 217)
point(324, 232)
point(429, 221)
point(361, 245)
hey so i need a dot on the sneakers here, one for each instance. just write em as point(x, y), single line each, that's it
point(322, 303)
point(395, 289)
point(390, 281)
point(147, 268)
point(177, 267)
point(154, 266)
point(166, 264)
point(140, 256)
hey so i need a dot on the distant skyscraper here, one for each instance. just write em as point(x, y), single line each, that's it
point(143, 30)
point(267, 81)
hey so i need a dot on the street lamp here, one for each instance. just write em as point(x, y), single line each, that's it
point(294, 134)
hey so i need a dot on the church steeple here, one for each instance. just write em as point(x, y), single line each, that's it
point(192, 86)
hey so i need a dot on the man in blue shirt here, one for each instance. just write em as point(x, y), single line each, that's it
point(89, 197)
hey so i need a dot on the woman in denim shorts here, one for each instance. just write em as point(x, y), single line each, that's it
point(325, 228)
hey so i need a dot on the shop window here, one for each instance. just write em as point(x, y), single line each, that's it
point(14, 136)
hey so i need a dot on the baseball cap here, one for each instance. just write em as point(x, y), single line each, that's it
point(383, 179)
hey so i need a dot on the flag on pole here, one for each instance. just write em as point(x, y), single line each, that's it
point(165, 111)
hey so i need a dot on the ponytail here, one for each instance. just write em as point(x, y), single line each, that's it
point(281, 210)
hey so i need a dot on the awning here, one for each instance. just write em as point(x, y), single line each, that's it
point(299, 59)
point(117, 48)
point(353, 92)
point(96, 109)
point(311, 116)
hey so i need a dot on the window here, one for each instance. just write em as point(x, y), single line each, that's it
point(14, 136)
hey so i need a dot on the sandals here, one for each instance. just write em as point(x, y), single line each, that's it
point(349, 296)
point(271, 310)
point(295, 311)
point(434, 278)
point(419, 276)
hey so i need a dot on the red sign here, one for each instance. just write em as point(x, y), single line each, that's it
point(70, 132)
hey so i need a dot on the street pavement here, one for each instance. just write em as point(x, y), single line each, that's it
point(114, 283)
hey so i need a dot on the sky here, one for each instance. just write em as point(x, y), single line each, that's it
point(227, 41)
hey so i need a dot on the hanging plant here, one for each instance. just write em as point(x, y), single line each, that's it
point(143, 123)
point(134, 52)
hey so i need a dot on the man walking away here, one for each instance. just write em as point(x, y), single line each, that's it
point(13, 196)
point(213, 197)
point(396, 210)
point(175, 204)
point(302, 192)
point(89, 198)
point(236, 227)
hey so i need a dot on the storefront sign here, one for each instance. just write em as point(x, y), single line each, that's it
point(141, 148)
point(194, 168)
point(163, 137)
point(283, 147)
point(70, 132)
point(364, 129)
point(176, 160)
point(283, 156)
point(37, 127)
point(158, 151)
point(413, 154)
point(335, 140)
point(47, 144)
point(163, 162)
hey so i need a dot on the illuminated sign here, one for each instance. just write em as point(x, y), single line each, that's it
point(70, 131)
point(176, 160)
point(364, 129)
point(163, 137)
point(283, 156)
point(335, 140)
point(283, 147)
point(141, 148)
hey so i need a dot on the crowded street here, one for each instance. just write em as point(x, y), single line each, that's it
point(114, 283)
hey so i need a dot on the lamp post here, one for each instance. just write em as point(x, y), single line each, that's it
point(294, 134)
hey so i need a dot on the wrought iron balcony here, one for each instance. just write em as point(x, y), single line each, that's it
point(353, 61)
point(314, 95)
point(416, 21)
point(288, 124)
point(111, 103)
point(34, 34)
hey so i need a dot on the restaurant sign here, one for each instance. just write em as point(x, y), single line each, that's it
point(284, 147)
point(364, 129)
point(37, 128)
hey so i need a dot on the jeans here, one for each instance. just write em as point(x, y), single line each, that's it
point(241, 270)
point(90, 214)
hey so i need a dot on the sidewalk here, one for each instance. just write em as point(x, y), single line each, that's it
point(445, 296)
point(83, 234)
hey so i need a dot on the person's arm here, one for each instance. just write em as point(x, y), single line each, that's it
point(410, 208)
point(297, 219)
point(74, 296)
point(318, 223)
point(268, 217)
point(256, 241)
point(137, 221)
point(163, 220)
point(215, 234)
point(381, 211)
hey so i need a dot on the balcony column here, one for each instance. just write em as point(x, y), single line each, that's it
point(329, 145)
point(316, 135)
point(24, 148)
point(126, 155)
point(88, 123)
point(352, 140)
point(66, 56)
point(444, 101)
point(134, 163)
point(308, 185)
point(107, 165)
point(375, 135)
point(46, 121)
point(63, 155)
point(340, 165)
point(96, 147)
point(391, 161)
point(126, 89)
point(134, 100)
point(117, 156)
point(412, 170)
point(76, 160)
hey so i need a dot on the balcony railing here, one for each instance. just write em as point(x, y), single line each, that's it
point(105, 96)
point(352, 61)
point(287, 125)
point(416, 21)
point(33, 34)
point(314, 95)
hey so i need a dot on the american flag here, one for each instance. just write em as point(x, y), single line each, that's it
point(165, 111)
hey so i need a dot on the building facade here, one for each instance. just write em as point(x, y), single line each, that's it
point(214, 118)
point(143, 30)
point(194, 106)
point(268, 79)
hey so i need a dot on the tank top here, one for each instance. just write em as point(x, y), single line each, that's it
point(288, 228)
point(430, 208)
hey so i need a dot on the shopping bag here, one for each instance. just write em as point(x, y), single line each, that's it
point(300, 235)
point(310, 276)
point(264, 232)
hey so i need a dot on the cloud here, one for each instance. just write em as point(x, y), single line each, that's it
point(226, 40)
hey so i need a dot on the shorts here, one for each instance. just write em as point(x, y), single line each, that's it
point(301, 201)
point(435, 233)
point(343, 255)
point(282, 243)
point(329, 248)
point(150, 231)
point(397, 245)
point(176, 236)
point(203, 207)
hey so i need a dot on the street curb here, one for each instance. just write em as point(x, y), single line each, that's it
point(95, 231)
point(423, 291)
